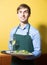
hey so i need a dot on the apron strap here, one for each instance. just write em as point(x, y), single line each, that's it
point(28, 30)
point(17, 29)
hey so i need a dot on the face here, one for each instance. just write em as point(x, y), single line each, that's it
point(23, 15)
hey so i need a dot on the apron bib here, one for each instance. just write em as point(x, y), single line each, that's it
point(23, 42)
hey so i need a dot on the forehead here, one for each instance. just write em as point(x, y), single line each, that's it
point(23, 9)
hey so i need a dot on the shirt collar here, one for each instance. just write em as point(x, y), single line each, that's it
point(24, 27)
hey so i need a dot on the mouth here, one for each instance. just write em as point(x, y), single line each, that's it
point(23, 18)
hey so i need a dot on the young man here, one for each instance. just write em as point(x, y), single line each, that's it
point(25, 36)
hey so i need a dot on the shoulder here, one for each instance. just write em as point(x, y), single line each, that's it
point(13, 30)
point(33, 30)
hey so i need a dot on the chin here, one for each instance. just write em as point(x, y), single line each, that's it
point(23, 21)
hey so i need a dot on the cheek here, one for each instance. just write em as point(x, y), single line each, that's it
point(27, 16)
point(19, 15)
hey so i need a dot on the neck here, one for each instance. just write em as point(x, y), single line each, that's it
point(23, 24)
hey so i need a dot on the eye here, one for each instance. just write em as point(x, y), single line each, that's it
point(26, 11)
point(20, 11)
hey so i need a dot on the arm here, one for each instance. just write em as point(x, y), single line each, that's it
point(37, 44)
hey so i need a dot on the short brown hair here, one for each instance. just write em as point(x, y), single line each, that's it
point(24, 6)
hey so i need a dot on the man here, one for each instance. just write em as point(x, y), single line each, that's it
point(25, 36)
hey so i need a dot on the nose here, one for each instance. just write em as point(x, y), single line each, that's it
point(23, 14)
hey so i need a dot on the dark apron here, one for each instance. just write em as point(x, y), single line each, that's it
point(23, 42)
